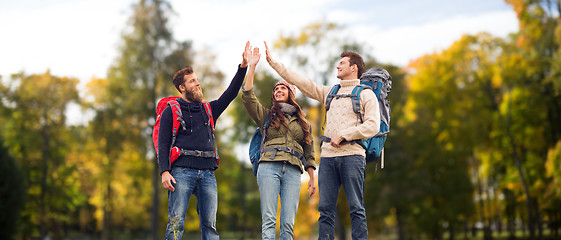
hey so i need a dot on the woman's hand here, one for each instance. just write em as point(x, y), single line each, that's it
point(254, 57)
point(311, 182)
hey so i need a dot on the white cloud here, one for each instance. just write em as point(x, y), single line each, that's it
point(224, 28)
point(74, 39)
point(80, 38)
point(403, 44)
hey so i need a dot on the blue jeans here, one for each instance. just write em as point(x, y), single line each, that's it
point(201, 183)
point(274, 179)
point(348, 171)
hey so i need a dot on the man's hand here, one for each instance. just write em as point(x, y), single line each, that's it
point(166, 181)
point(336, 142)
point(268, 53)
point(245, 55)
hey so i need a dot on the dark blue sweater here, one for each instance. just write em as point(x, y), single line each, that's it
point(197, 136)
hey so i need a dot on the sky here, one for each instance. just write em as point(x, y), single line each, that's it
point(80, 38)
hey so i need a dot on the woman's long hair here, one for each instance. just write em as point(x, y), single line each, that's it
point(278, 118)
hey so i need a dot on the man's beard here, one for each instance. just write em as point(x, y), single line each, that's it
point(194, 95)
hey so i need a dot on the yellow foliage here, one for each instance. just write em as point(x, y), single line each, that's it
point(303, 38)
point(307, 215)
point(553, 169)
point(409, 110)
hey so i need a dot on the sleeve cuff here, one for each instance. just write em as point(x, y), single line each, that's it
point(164, 170)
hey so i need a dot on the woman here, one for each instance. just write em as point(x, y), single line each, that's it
point(279, 170)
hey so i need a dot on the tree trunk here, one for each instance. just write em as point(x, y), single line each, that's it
point(155, 201)
point(45, 156)
point(400, 233)
point(526, 191)
point(486, 233)
point(523, 223)
point(510, 226)
point(558, 222)
point(436, 233)
point(243, 194)
point(473, 230)
point(466, 230)
point(451, 231)
point(510, 213)
point(518, 164)
point(538, 218)
point(499, 223)
point(106, 225)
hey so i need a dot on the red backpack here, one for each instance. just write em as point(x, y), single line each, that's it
point(175, 152)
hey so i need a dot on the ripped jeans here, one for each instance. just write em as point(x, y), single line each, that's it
point(201, 183)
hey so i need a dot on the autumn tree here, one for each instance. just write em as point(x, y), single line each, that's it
point(36, 135)
point(537, 46)
point(124, 108)
point(12, 193)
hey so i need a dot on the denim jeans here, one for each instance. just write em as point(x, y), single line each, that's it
point(274, 179)
point(201, 183)
point(348, 171)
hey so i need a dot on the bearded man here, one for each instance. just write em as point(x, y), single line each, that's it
point(192, 173)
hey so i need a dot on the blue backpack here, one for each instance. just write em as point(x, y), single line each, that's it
point(380, 82)
point(256, 145)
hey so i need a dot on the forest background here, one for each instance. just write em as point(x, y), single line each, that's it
point(474, 150)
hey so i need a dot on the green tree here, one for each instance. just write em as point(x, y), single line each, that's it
point(12, 193)
point(553, 190)
point(450, 117)
point(386, 192)
point(125, 110)
point(35, 132)
point(537, 47)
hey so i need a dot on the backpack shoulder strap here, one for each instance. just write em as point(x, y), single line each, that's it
point(208, 110)
point(331, 95)
point(266, 123)
point(265, 127)
point(264, 133)
point(355, 99)
point(209, 114)
point(177, 116)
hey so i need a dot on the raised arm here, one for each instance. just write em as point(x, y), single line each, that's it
point(220, 104)
point(308, 87)
point(253, 59)
point(245, 55)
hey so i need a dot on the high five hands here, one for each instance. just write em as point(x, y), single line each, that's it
point(254, 57)
point(250, 56)
point(268, 53)
point(245, 55)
